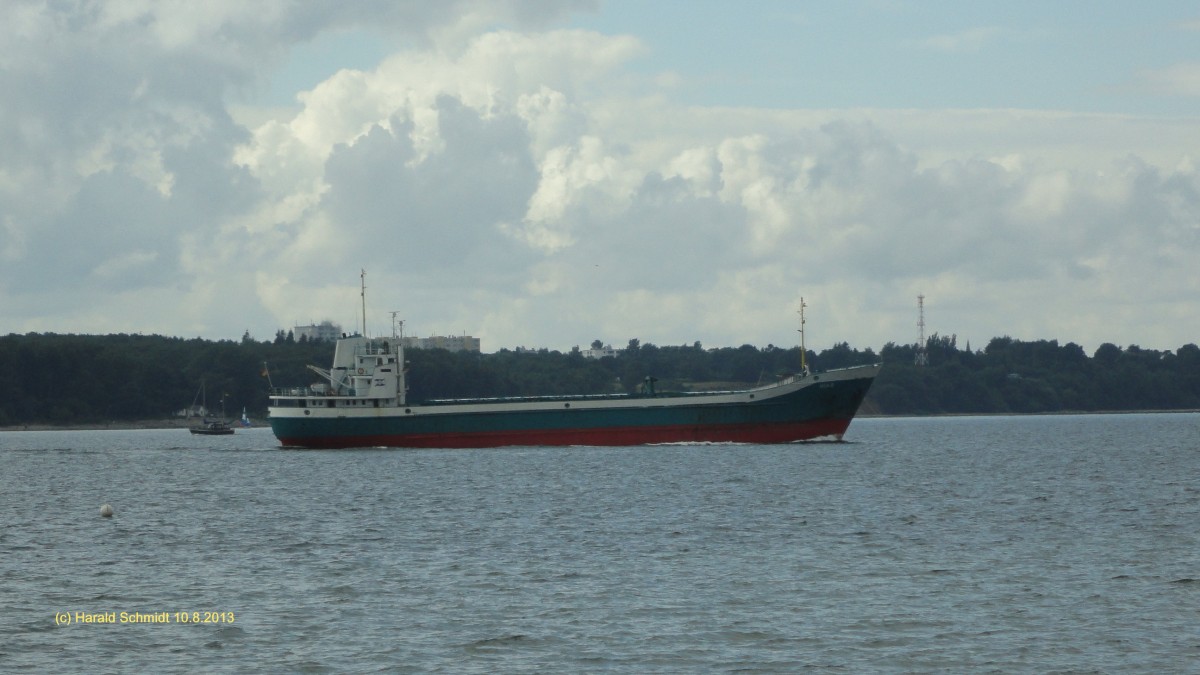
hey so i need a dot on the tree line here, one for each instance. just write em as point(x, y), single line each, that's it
point(1042, 376)
point(76, 379)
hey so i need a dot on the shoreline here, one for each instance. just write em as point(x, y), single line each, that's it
point(120, 425)
point(164, 424)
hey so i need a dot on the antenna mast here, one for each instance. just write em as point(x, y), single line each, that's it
point(803, 351)
point(922, 358)
point(363, 292)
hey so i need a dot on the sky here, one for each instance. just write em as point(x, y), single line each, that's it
point(546, 173)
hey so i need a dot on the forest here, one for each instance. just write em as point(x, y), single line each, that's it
point(82, 379)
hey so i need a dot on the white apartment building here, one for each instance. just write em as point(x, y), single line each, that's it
point(326, 330)
point(453, 343)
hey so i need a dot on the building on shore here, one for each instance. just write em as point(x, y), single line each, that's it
point(331, 332)
point(452, 343)
point(326, 331)
point(599, 352)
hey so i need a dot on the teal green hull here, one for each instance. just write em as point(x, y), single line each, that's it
point(824, 409)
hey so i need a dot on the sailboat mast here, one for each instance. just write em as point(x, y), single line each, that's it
point(363, 292)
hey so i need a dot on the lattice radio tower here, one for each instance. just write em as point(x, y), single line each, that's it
point(922, 358)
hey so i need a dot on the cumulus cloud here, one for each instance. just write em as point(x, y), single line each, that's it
point(499, 181)
point(123, 168)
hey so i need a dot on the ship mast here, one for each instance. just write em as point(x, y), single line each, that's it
point(803, 351)
point(363, 292)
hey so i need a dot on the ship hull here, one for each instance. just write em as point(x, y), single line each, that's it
point(814, 407)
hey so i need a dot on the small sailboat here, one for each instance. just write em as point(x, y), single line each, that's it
point(211, 426)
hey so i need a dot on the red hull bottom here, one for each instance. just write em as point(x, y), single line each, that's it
point(748, 433)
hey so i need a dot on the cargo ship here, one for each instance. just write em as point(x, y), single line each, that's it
point(362, 402)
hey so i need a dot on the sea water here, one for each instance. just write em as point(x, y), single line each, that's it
point(973, 544)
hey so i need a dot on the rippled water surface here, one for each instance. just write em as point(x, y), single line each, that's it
point(1001, 544)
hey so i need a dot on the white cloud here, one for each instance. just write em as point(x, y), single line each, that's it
point(501, 182)
point(124, 263)
point(969, 40)
point(1180, 79)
